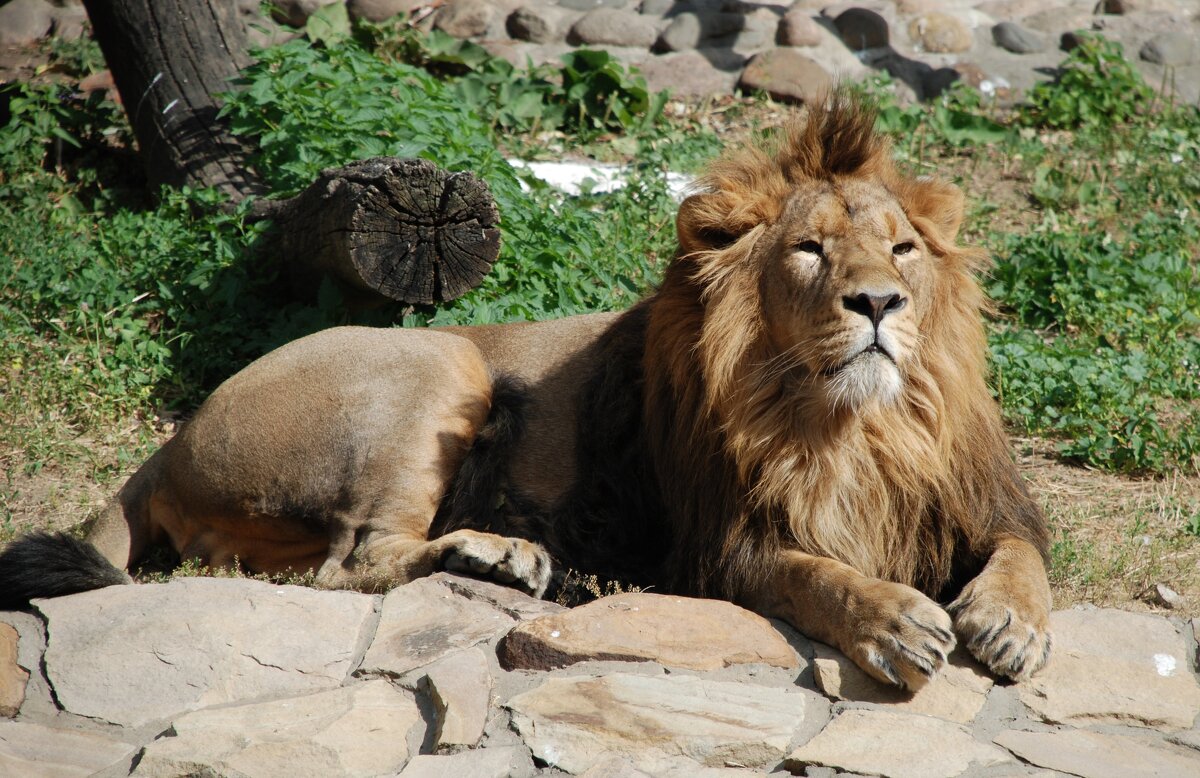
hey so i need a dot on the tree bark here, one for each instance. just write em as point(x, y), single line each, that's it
point(392, 229)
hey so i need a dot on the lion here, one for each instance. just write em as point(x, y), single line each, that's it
point(796, 420)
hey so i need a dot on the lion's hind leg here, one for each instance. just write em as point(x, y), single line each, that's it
point(1003, 615)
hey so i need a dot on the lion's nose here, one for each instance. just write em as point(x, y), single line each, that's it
point(874, 306)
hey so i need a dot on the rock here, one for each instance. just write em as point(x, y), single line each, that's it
point(24, 21)
point(896, 745)
point(1095, 755)
point(13, 677)
point(70, 22)
point(689, 74)
point(28, 749)
point(915, 7)
point(505, 762)
point(786, 75)
point(464, 18)
point(571, 721)
point(355, 730)
point(674, 631)
point(1173, 48)
point(940, 33)
point(1188, 739)
point(379, 10)
point(861, 28)
point(1112, 667)
point(1138, 6)
point(687, 30)
point(537, 23)
point(591, 5)
point(424, 621)
point(513, 602)
point(1011, 9)
point(956, 693)
point(134, 654)
point(460, 687)
point(1015, 38)
point(614, 27)
point(656, 7)
point(1071, 39)
point(295, 13)
point(797, 28)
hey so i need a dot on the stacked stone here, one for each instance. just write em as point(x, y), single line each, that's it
point(790, 51)
point(450, 676)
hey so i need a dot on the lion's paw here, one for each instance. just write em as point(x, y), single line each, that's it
point(510, 561)
point(1008, 635)
point(903, 637)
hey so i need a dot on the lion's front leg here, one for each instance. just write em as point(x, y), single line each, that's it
point(1003, 615)
point(893, 632)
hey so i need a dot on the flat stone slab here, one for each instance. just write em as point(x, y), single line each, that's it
point(956, 693)
point(425, 620)
point(460, 687)
point(896, 745)
point(505, 762)
point(13, 677)
point(28, 749)
point(355, 730)
point(513, 602)
point(1109, 666)
point(674, 631)
point(1093, 755)
point(196, 642)
point(572, 722)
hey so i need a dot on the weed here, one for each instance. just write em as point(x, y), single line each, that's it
point(1096, 87)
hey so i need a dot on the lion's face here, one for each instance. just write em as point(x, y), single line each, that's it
point(843, 278)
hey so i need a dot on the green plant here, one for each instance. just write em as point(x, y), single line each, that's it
point(1096, 87)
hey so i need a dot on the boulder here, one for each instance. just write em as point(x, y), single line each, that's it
point(690, 74)
point(1174, 48)
point(464, 18)
point(24, 21)
point(786, 75)
point(355, 730)
point(614, 27)
point(295, 13)
point(797, 28)
point(570, 722)
point(1015, 38)
point(537, 23)
point(940, 33)
point(688, 30)
point(134, 654)
point(862, 28)
point(378, 10)
point(896, 745)
point(674, 631)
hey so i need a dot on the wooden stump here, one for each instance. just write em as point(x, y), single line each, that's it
point(401, 228)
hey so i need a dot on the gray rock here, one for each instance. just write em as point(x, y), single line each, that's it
point(862, 28)
point(1095, 755)
point(956, 693)
point(69, 21)
point(940, 33)
point(295, 13)
point(691, 74)
point(798, 28)
point(505, 762)
point(24, 21)
point(656, 7)
point(614, 27)
point(1015, 38)
point(355, 730)
point(13, 677)
point(460, 687)
point(424, 621)
point(134, 654)
point(1141, 659)
point(896, 745)
point(537, 23)
point(674, 631)
point(1123, 7)
point(513, 602)
point(786, 75)
point(378, 10)
point(1177, 47)
point(687, 30)
point(591, 5)
point(571, 721)
point(28, 749)
point(464, 18)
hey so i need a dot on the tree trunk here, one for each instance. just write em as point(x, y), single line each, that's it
point(392, 229)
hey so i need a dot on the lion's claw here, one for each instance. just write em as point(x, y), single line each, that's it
point(904, 637)
point(998, 635)
point(510, 561)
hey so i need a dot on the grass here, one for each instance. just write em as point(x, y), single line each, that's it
point(121, 311)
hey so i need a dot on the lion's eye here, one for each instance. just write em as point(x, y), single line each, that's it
point(811, 247)
point(901, 249)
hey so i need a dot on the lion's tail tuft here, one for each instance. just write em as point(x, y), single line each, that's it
point(51, 564)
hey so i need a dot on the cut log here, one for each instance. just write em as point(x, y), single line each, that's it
point(401, 228)
point(394, 229)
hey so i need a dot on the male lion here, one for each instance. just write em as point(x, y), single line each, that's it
point(797, 420)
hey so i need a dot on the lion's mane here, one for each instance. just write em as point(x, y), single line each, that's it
point(744, 457)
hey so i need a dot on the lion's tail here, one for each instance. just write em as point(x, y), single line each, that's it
point(51, 564)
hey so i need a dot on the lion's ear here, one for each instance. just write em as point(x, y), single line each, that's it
point(703, 223)
point(940, 203)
